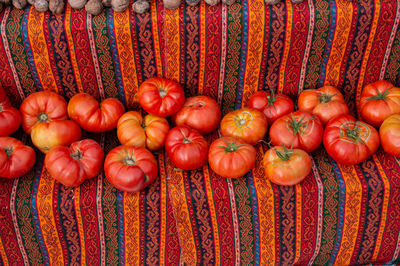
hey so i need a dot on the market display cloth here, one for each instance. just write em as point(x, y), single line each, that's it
point(338, 214)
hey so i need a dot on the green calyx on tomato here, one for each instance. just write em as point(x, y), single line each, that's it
point(354, 134)
point(325, 98)
point(162, 92)
point(129, 161)
point(297, 126)
point(286, 154)
point(271, 99)
point(77, 155)
point(379, 96)
point(231, 147)
point(1, 108)
point(43, 118)
point(8, 151)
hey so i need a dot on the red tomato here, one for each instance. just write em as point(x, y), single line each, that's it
point(201, 113)
point(10, 117)
point(72, 165)
point(349, 141)
point(42, 107)
point(61, 132)
point(149, 132)
point(186, 148)
point(390, 135)
point(273, 106)
point(247, 124)
point(161, 97)
point(84, 109)
point(379, 100)
point(231, 157)
point(326, 103)
point(16, 159)
point(130, 168)
point(286, 167)
point(300, 130)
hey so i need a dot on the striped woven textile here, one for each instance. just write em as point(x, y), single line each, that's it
point(337, 215)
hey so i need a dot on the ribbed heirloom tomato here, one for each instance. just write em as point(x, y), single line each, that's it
point(300, 130)
point(199, 112)
point(149, 132)
point(390, 135)
point(130, 168)
point(231, 157)
point(72, 165)
point(326, 103)
point(161, 97)
point(286, 167)
point(379, 100)
point(186, 148)
point(272, 105)
point(93, 116)
point(16, 159)
point(247, 124)
point(349, 141)
point(10, 117)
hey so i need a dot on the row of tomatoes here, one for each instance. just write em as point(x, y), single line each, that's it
point(131, 167)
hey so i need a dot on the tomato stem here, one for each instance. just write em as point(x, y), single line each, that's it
point(43, 118)
point(271, 99)
point(77, 155)
point(9, 151)
point(285, 154)
point(379, 96)
point(297, 126)
point(162, 92)
point(1, 108)
point(231, 147)
point(129, 160)
point(326, 98)
point(186, 141)
point(354, 133)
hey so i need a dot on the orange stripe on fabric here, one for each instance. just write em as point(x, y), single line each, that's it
point(367, 51)
point(163, 207)
point(202, 60)
point(172, 41)
point(126, 57)
point(156, 38)
point(131, 203)
point(71, 46)
point(214, 219)
point(46, 217)
point(254, 49)
point(3, 253)
point(288, 36)
point(385, 206)
point(265, 196)
point(298, 221)
point(351, 215)
point(40, 51)
point(77, 203)
point(340, 38)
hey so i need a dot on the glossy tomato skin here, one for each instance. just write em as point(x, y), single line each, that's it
point(273, 106)
point(42, 106)
point(16, 159)
point(231, 157)
point(389, 133)
point(326, 103)
point(161, 97)
point(379, 100)
point(289, 171)
point(71, 166)
point(199, 112)
point(186, 148)
point(130, 168)
point(149, 132)
point(93, 116)
point(61, 132)
point(347, 146)
point(300, 130)
point(247, 124)
point(10, 117)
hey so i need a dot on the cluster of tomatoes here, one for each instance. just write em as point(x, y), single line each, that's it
point(55, 129)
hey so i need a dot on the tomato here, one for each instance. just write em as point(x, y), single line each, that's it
point(61, 132)
point(161, 97)
point(379, 100)
point(42, 107)
point(186, 148)
point(349, 141)
point(10, 117)
point(93, 116)
point(200, 112)
point(72, 165)
point(390, 135)
point(149, 132)
point(130, 168)
point(16, 159)
point(247, 124)
point(286, 167)
point(231, 157)
point(300, 130)
point(273, 106)
point(326, 103)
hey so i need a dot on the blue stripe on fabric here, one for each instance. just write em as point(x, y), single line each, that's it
point(255, 218)
point(329, 42)
point(342, 201)
point(110, 20)
point(29, 49)
point(245, 33)
point(121, 227)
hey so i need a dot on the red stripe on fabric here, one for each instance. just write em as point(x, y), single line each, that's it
point(173, 249)
point(277, 224)
point(265, 49)
point(136, 51)
point(57, 220)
